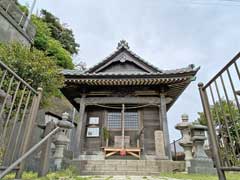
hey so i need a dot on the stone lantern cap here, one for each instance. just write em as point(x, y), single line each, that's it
point(198, 132)
point(198, 127)
point(184, 124)
point(65, 124)
point(184, 117)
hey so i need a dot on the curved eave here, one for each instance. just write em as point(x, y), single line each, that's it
point(125, 81)
point(176, 82)
point(170, 73)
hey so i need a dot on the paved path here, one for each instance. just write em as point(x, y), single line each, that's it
point(132, 178)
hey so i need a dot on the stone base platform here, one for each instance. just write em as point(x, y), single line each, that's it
point(204, 166)
point(126, 167)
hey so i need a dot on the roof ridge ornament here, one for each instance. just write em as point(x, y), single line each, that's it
point(123, 44)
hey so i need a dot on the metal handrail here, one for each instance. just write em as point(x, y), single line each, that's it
point(29, 152)
point(222, 70)
point(17, 77)
point(12, 3)
point(217, 92)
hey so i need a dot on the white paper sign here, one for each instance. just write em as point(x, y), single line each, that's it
point(94, 120)
point(93, 132)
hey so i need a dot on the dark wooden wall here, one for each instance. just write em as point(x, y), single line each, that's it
point(93, 144)
point(151, 123)
point(149, 118)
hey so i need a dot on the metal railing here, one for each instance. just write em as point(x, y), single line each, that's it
point(19, 104)
point(222, 112)
point(177, 150)
point(29, 152)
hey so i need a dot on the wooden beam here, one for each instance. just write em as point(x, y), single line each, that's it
point(137, 93)
point(137, 155)
point(122, 100)
point(111, 153)
point(163, 120)
point(136, 152)
point(78, 138)
point(123, 125)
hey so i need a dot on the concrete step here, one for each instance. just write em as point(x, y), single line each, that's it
point(119, 173)
point(119, 168)
point(126, 167)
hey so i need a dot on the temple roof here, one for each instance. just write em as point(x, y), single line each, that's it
point(124, 50)
point(189, 69)
point(121, 56)
point(124, 68)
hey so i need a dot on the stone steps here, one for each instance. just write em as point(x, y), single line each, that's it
point(120, 168)
point(120, 173)
point(126, 167)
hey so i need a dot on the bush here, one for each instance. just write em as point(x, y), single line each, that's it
point(34, 67)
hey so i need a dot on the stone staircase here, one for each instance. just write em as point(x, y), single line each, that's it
point(126, 167)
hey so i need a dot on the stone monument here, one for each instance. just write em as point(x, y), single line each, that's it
point(200, 163)
point(159, 145)
point(186, 141)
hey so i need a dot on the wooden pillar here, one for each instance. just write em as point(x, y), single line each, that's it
point(123, 125)
point(46, 150)
point(160, 117)
point(78, 138)
point(164, 125)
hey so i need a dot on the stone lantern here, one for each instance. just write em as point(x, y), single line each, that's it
point(186, 141)
point(61, 140)
point(198, 137)
point(200, 162)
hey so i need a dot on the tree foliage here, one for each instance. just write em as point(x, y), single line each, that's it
point(53, 48)
point(225, 115)
point(52, 37)
point(60, 32)
point(34, 67)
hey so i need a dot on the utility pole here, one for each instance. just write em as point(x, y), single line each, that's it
point(29, 15)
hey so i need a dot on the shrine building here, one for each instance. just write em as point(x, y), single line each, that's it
point(123, 103)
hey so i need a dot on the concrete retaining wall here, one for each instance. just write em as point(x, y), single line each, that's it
point(11, 25)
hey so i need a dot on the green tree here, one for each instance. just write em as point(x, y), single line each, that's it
point(224, 114)
point(54, 38)
point(60, 32)
point(226, 119)
point(34, 67)
point(53, 48)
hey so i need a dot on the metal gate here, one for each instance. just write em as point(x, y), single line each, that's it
point(220, 100)
point(19, 104)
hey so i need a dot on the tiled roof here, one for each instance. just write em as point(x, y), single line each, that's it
point(188, 69)
point(123, 45)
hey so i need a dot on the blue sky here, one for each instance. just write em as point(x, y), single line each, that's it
point(168, 33)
